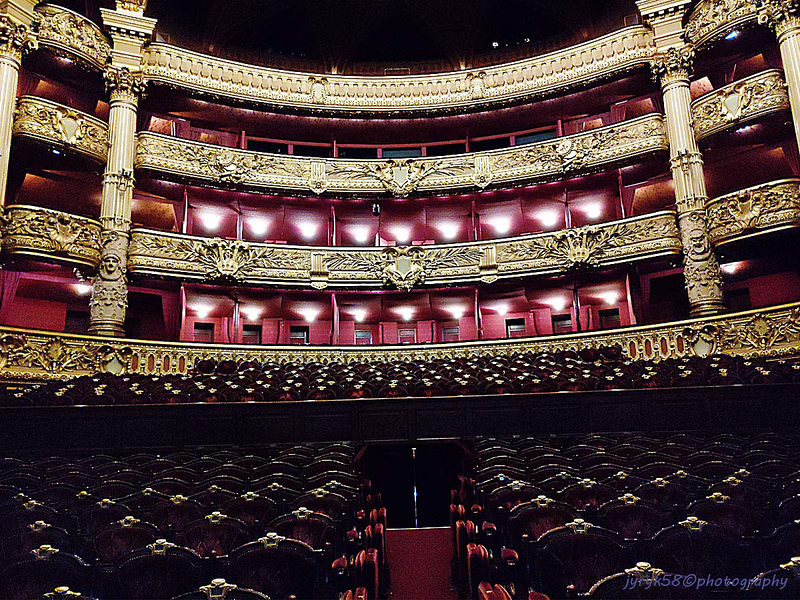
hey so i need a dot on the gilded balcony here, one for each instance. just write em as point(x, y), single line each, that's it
point(559, 71)
point(59, 126)
point(32, 355)
point(739, 103)
point(714, 19)
point(581, 153)
point(69, 34)
point(51, 236)
point(233, 261)
point(754, 211)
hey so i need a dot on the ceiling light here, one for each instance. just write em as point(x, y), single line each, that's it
point(501, 224)
point(732, 35)
point(361, 234)
point(501, 309)
point(359, 314)
point(557, 303)
point(253, 313)
point(593, 211)
point(610, 297)
point(548, 218)
point(309, 314)
point(56, 152)
point(401, 234)
point(495, 44)
point(83, 288)
point(308, 229)
point(730, 268)
point(456, 311)
point(258, 225)
point(211, 220)
point(406, 312)
point(449, 230)
point(203, 310)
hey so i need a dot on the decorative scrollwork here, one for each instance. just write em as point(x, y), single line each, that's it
point(72, 35)
point(218, 589)
point(713, 19)
point(674, 64)
point(16, 39)
point(123, 84)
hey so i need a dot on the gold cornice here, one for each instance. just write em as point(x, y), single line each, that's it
point(61, 127)
point(754, 211)
point(581, 153)
point(714, 19)
point(214, 259)
point(71, 34)
point(38, 355)
point(50, 235)
point(612, 54)
point(740, 102)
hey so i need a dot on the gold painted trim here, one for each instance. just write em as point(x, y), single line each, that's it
point(219, 166)
point(61, 127)
point(714, 19)
point(50, 235)
point(518, 81)
point(38, 355)
point(740, 102)
point(754, 211)
point(70, 34)
point(214, 259)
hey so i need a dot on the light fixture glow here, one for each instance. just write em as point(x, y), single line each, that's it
point(557, 303)
point(258, 225)
point(730, 268)
point(593, 211)
point(449, 230)
point(361, 234)
point(83, 288)
point(501, 309)
point(610, 297)
point(308, 229)
point(211, 220)
point(401, 234)
point(456, 311)
point(203, 310)
point(501, 224)
point(548, 218)
point(406, 312)
point(359, 314)
point(253, 313)
point(309, 314)
point(732, 35)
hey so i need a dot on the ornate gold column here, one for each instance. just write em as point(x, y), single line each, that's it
point(110, 291)
point(15, 40)
point(701, 268)
point(783, 17)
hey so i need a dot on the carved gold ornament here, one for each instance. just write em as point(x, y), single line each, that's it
point(403, 267)
point(160, 546)
point(135, 6)
point(72, 35)
point(218, 589)
point(713, 19)
point(16, 39)
point(180, 159)
point(61, 593)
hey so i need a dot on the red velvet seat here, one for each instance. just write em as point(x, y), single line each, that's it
point(160, 570)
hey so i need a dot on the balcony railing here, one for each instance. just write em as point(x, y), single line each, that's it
point(37, 355)
point(754, 211)
point(562, 70)
point(61, 127)
point(72, 35)
point(740, 102)
point(51, 235)
point(714, 19)
point(214, 259)
point(581, 153)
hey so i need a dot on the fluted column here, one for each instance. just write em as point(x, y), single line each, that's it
point(15, 40)
point(109, 301)
point(783, 17)
point(701, 268)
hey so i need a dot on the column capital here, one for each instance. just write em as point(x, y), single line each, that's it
point(124, 85)
point(672, 65)
point(16, 39)
point(782, 16)
point(665, 18)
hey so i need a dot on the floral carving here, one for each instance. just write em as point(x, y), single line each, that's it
point(137, 6)
point(675, 63)
point(72, 34)
point(700, 266)
point(109, 301)
point(16, 39)
point(403, 267)
point(123, 84)
point(713, 19)
point(226, 260)
point(780, 15)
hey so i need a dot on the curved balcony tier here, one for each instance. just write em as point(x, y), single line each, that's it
point(61, 127)
point(72, 35)
point(405, 267)
point(460, 91)
point(37, 355)
point(50, 235)
point(206, 164)
point(754, 211)
point(714, 19)
point(740, 102)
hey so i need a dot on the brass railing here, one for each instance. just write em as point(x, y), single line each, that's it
point(213, 259)
point(60, 126)
point(69, 34)
point(754, 211)
point(562, 70)
point(176, 158)
point(714, 19)
point(51, 235)
point(38, 355)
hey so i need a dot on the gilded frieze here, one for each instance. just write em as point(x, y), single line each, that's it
point(39, 355)
point(181, 159)
point(562, 70)
point(58, 125)
point(49, 234)
point(713, 19)
point(754, 210)
point(740, 102)
point(72, 35)
point(182, 256)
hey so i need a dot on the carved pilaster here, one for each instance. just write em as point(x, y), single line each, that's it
point(109, 301)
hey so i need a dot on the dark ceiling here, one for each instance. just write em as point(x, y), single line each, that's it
point(366, 35)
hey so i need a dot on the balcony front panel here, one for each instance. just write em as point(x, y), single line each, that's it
point(50, 235)
point(754, 211)
point(61, 127)
point(214, 259)
point(72, 35)
point(558, 71)
point(582, 153)
point(714, 19)
point(38, 355)
point(740, 102)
